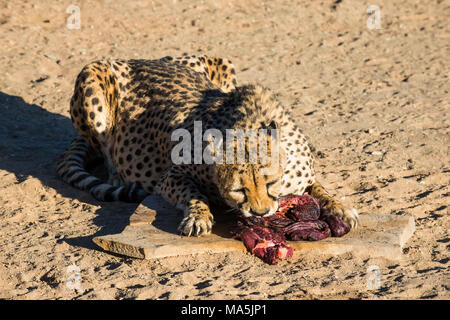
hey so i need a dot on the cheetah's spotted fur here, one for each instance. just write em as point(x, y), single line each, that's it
point(126, 111)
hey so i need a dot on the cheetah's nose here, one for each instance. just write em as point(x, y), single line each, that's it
point(259, 213)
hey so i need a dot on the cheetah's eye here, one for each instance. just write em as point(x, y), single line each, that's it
point(238, 193)
point(239, 196)
point(271, 183)
point(270, 193)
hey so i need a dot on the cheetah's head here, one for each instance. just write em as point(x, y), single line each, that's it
point(252, 187)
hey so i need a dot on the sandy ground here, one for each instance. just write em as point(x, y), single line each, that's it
point(374, 102)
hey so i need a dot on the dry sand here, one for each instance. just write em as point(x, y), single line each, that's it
point(374, 102)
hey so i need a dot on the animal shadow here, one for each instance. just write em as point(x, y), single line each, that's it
point(31, 140)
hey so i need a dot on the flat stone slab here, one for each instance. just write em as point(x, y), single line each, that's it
point(152, 233)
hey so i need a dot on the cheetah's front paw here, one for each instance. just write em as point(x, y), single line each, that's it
point(198, 222)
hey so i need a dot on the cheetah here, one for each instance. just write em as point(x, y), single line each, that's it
point(127, 110)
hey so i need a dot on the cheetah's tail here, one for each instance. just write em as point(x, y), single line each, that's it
point(71, 168)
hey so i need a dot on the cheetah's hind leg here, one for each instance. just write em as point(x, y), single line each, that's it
point(71, 167)
point(113, 177)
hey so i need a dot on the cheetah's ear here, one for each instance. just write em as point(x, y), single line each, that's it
point(273, 129)
point(272, 125)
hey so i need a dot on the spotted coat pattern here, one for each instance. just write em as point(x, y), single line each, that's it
point(127, 110)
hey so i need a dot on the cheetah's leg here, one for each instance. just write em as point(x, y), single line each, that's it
point(92, 108)
point(349, 215)
point(180, 190)
point(113, 177)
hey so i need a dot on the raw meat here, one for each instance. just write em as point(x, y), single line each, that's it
point(337, 226)
point(299, 208)
point(264, 243)
point(307, 230)
point(297, 218)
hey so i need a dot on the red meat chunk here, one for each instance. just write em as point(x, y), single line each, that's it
point(299, 208)
point(307, 230)
point(264, 243)
point(298, 218)
point(338, 226)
